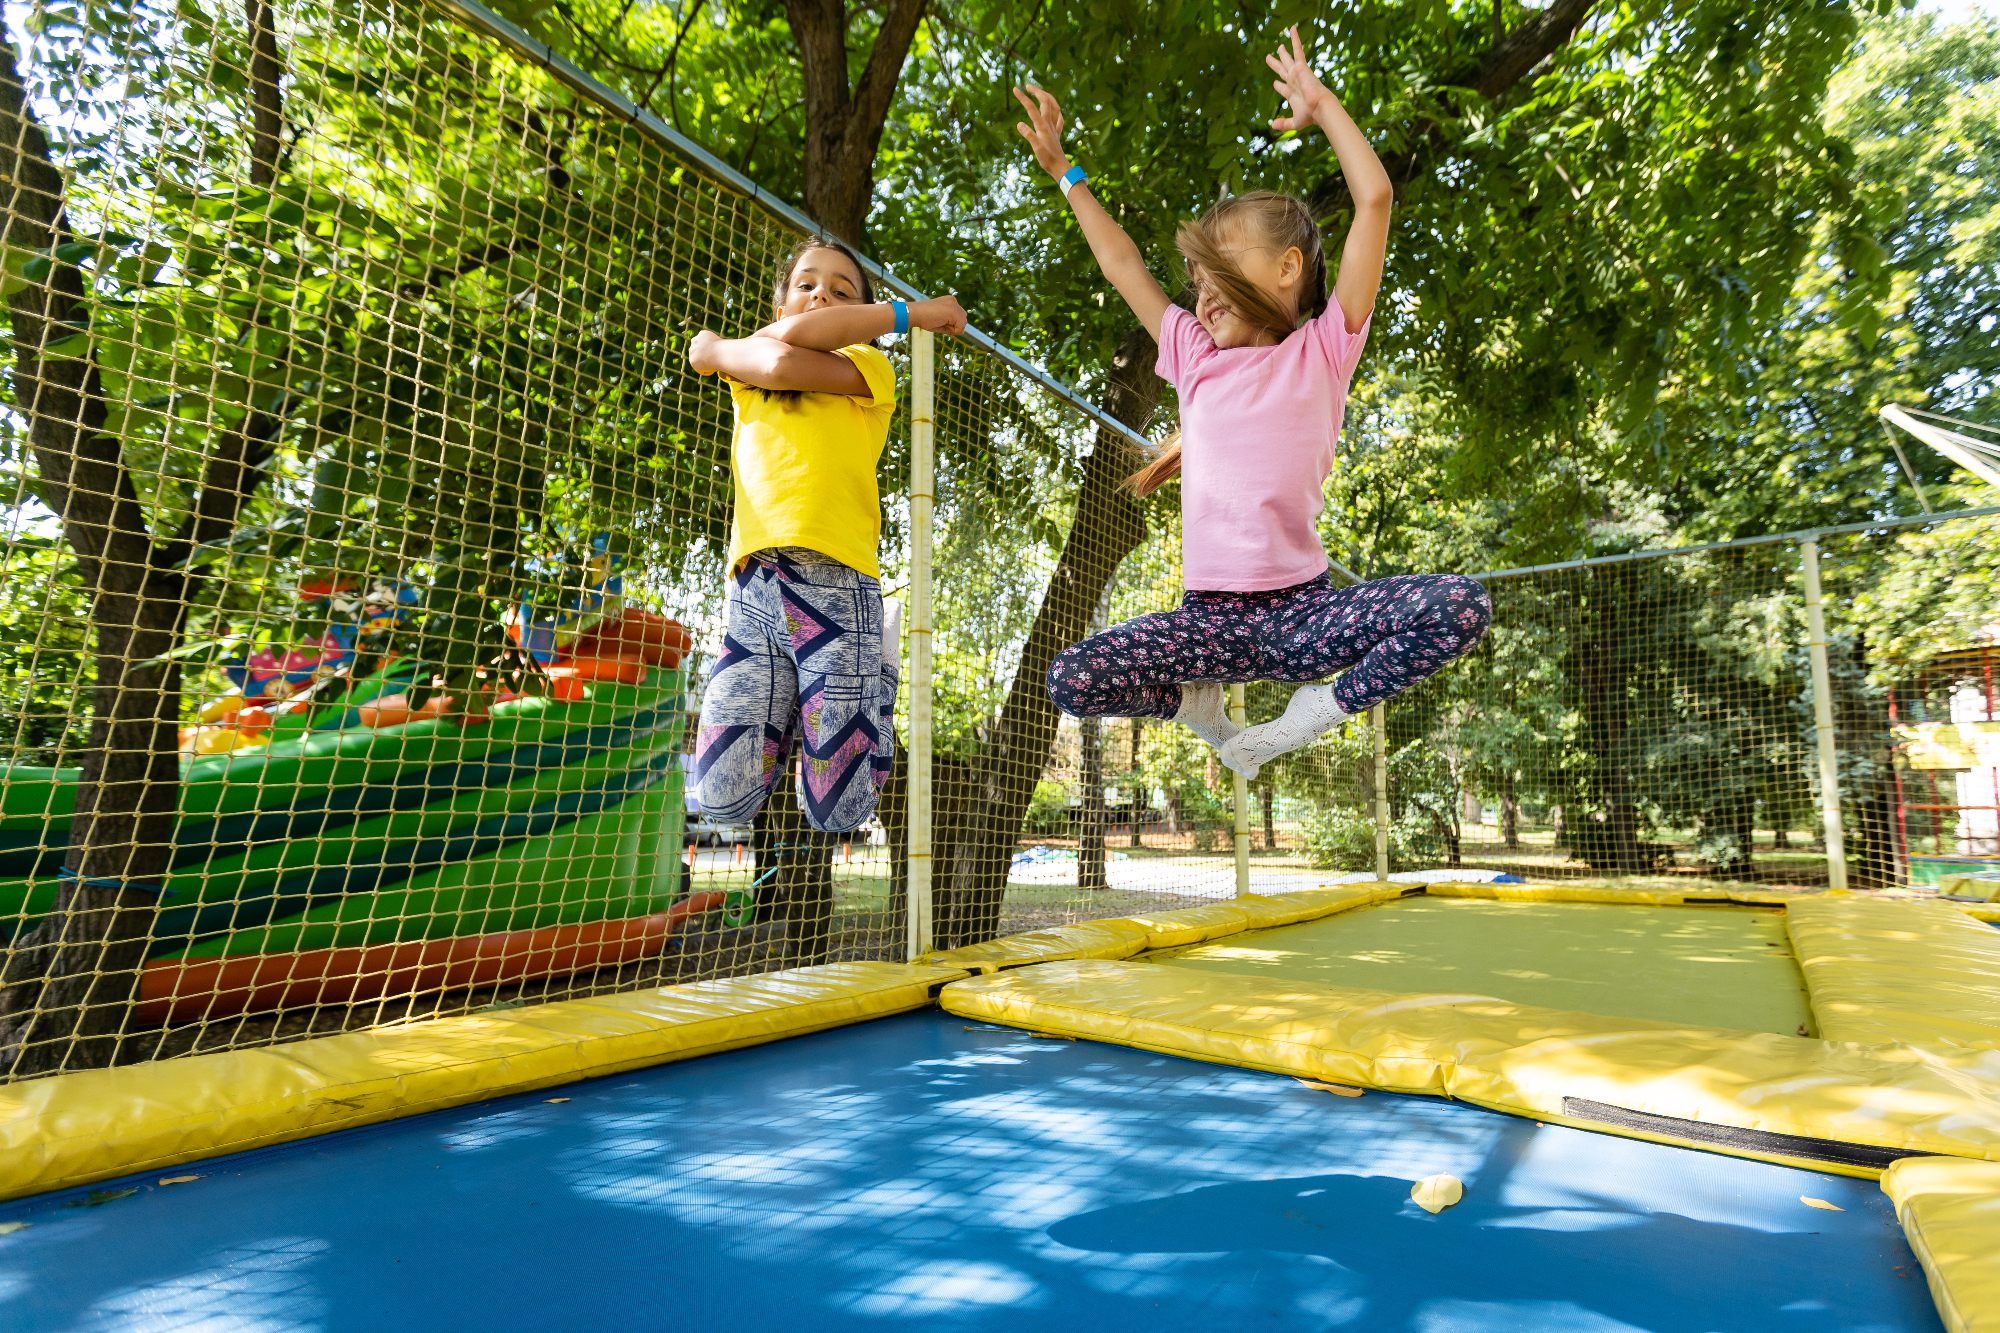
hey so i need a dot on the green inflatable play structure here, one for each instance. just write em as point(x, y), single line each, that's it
point(353, 862)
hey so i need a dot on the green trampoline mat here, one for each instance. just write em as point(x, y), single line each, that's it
point(1711, 967)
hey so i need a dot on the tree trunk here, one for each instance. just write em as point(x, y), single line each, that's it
point(1090, 872)
point(1268, 795)
point(70, 982)
point(1109, 524)
point(1615, 845)
point(800, 891)
point(844, 122)
point(1510, 813)
point(1140, 796)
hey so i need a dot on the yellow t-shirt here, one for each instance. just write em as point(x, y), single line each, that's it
point(805, 468)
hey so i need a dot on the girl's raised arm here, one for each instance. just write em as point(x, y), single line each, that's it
point(1116, 254)
point(1367, 241)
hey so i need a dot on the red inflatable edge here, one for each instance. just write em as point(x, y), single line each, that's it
point(175, 990)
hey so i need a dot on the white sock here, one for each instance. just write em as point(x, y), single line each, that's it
point(892, 633)
point(1311, 714)
point(1203, 713)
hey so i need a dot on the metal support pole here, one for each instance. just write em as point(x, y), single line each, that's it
point(1822, 691)
point(1236, 715)
point(923, 496)
point(1379, 715)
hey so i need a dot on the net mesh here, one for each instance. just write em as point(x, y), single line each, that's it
point(364, 565)
point(364, 557)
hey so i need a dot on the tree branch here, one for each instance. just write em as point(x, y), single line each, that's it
point(266, 69)
point(1510, 59)
point(877, 90)
point(1507, 62)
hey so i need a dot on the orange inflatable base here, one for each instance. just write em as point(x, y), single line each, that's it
point(178, 990)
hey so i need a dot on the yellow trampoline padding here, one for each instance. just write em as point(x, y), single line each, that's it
point(1116, 938)
point(1559, 893)
point(74, 1129)
point(1291, 909)
point(1950, 1211)
point(1122, 937)
point(1191, 925)
point(1902, 970)
point(1516, 1058)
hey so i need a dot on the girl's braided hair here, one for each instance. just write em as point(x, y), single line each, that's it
point(1277, 221)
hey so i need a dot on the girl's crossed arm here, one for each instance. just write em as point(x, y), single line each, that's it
point(799, 351)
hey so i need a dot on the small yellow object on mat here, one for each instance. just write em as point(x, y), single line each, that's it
point(9, 1228)
point(177, 1180)
point(1341, 1088)
point(1821, 1203)
point(553, 1100)
point(1434, 1194)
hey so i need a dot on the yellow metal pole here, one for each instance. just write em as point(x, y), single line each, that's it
point(1379, 715)
point(1822, 689)
point(923, 496)
point(1236, 715)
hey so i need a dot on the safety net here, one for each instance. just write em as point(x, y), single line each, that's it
point(365, 553)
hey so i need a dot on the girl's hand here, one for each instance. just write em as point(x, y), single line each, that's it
point(1045, 135)
point(940, 314)
point(698, 356)
point(1298, 85)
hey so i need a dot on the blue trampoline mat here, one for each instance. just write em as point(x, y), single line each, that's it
point(919, 1173)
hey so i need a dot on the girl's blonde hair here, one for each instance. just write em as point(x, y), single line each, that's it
point(1277, 221)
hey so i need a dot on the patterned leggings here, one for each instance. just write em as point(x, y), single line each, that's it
point(1392, 632)
point(803, 645)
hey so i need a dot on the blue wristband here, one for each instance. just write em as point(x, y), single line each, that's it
point(902, 316)
point(1071, 179)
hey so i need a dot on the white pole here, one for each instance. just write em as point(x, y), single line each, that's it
point(1379, 715)
point(1822, 691)
point(923, 495)
point(1236, 715)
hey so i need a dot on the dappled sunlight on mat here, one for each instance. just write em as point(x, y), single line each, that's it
point(927, 1168)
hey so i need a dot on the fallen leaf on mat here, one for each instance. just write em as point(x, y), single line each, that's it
point(1340, 1088)
point(1821, 1203)
point(553, 1100)
point(1434, 1194)
point(9, 1228)
point(177, 1180)
point(96, 1197)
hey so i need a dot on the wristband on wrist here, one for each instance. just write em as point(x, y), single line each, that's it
point(1071, 179)
point(902, 316)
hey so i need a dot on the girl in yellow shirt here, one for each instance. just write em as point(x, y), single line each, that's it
point(806, 648)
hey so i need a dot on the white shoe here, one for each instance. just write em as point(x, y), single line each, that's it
point(892, 633)
point(1311, 714)
point(1204, 713)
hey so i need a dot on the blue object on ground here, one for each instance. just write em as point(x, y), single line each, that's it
point(919, 1173)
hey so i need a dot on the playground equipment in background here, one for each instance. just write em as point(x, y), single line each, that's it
point(359, 848)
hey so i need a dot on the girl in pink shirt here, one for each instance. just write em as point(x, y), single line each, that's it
point(1262, 368)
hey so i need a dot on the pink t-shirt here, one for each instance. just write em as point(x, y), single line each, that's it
point(1258, 428)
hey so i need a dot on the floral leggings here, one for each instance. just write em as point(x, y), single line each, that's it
point(1392, 632)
